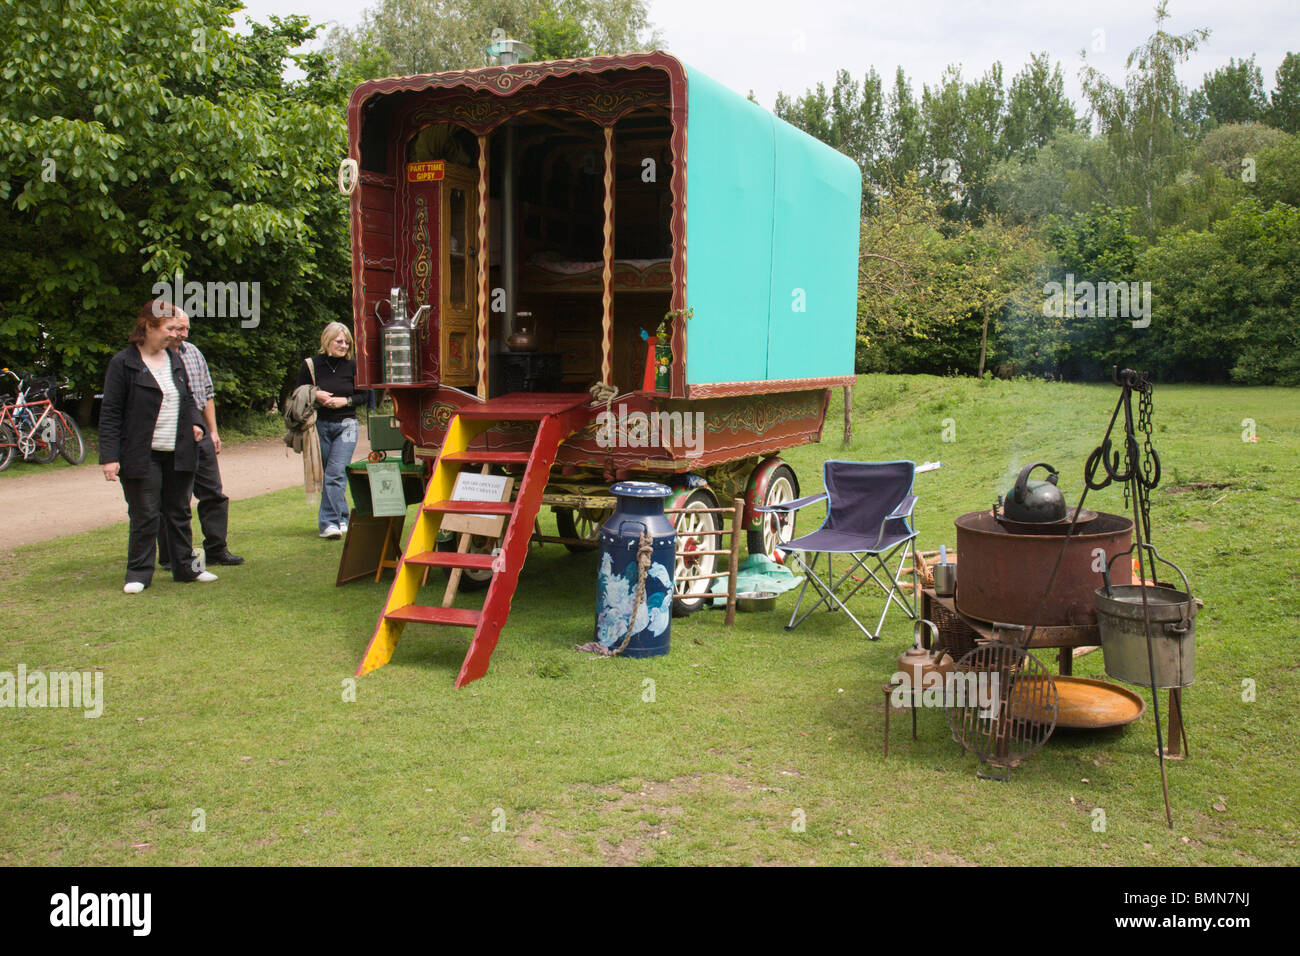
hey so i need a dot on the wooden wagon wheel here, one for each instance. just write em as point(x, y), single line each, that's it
point(581, 523)
point(697, 531)
point(782, 486)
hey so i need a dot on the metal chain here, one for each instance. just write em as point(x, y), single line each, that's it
point(1150, 461)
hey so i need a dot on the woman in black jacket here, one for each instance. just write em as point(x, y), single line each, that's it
point(149, 429)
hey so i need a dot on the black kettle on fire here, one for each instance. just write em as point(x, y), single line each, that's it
point(1035, 501)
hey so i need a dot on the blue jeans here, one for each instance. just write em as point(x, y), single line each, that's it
point(337, 442)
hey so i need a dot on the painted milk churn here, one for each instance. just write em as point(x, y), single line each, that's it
point(622, 577)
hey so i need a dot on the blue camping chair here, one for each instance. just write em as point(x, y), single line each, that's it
point(868, 518)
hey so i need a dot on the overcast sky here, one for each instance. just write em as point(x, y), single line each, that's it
point(774, 45)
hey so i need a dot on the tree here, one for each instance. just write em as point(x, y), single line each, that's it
point(1066, 175)
point(432, 36)
point(904, 138)
point(1277, 173)
point(810, 112)
point(1284, 103)
point(1146, 120)
point(930, 291)
point(952, 139)
point(1231, 94)
point(1096, 246)
point(1225, 299)
point(1229, 146)
point(1037, 108)
point(128, 156)
point(559, 37)
point(962, 125)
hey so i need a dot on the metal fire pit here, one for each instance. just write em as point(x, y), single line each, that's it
point(1004, 575)
point(1086, 516)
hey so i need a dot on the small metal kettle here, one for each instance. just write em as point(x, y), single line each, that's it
point(916, 662)
point(1035, 501)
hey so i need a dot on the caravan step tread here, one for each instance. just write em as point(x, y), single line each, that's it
point(471, 507)
point(489, 457)
point(452, 559)
point(421, 614)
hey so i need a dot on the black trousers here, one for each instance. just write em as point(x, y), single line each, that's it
point(162, 498)
point(214, 506)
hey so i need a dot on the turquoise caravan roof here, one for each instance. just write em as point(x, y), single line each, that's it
point(772, 228)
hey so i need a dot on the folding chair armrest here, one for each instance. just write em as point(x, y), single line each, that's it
point(904, 509)
point(793, 505)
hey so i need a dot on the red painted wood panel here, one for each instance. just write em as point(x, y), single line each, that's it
point(377, 221)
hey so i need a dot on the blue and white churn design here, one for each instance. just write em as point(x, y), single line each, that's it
point(640, 509)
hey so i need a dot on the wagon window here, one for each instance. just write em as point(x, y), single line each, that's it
point(445, 141)
point(374, 134)
point(457, 245)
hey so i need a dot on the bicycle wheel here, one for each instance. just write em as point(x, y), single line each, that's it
point(42, 444)
point(71, 445)
point(8, 446)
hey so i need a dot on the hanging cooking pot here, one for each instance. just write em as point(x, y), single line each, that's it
point(1035, 501)
point(916, 662)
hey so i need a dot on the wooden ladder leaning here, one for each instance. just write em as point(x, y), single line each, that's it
point(558, 416)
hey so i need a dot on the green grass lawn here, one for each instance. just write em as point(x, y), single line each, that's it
point(229, 698)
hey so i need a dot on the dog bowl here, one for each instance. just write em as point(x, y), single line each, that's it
point(756, 600)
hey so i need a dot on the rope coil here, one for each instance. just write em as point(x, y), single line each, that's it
point(644, 558)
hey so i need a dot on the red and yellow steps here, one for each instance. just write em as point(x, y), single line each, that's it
point(558, 416)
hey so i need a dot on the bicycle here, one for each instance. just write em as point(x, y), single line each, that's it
point(36, 429)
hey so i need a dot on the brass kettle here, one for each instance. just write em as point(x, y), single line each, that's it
point(916, 662)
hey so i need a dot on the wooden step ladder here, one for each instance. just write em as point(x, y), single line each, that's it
point(558, 416)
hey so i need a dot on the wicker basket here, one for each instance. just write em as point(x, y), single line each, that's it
point(955, 635)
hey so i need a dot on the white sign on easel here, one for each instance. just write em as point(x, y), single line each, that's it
point(471, 486)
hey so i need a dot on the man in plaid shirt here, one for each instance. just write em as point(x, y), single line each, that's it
point(214, 506)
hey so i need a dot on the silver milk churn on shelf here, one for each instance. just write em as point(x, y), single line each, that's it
point(400, 340)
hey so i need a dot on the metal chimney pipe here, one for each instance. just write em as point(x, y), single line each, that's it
point(509, 249)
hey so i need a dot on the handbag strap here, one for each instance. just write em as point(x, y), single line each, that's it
point(311, 368)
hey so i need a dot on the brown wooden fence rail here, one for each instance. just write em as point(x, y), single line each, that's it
point(737, 512)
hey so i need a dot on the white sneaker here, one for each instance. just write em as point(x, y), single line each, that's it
point(343, 527)
point(133, 587)
point(332, 532)
point(207, 577)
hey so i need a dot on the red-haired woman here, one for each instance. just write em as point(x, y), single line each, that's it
point(149, 429)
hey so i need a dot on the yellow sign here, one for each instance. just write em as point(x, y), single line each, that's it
point(425, 172)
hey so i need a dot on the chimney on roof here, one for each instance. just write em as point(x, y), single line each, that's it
point(505, 52)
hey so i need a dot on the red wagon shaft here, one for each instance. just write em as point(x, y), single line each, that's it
point(562, 208)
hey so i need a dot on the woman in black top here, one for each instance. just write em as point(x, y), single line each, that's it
point(336, 421)
point(149, 429)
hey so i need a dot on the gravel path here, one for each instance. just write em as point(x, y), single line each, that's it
point(44, 505)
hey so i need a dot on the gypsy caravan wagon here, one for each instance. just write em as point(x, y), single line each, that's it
point(622, 269)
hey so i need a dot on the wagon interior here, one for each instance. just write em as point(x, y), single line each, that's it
point(546, 226)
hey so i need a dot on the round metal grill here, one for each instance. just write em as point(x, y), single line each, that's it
point(1002, 706)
